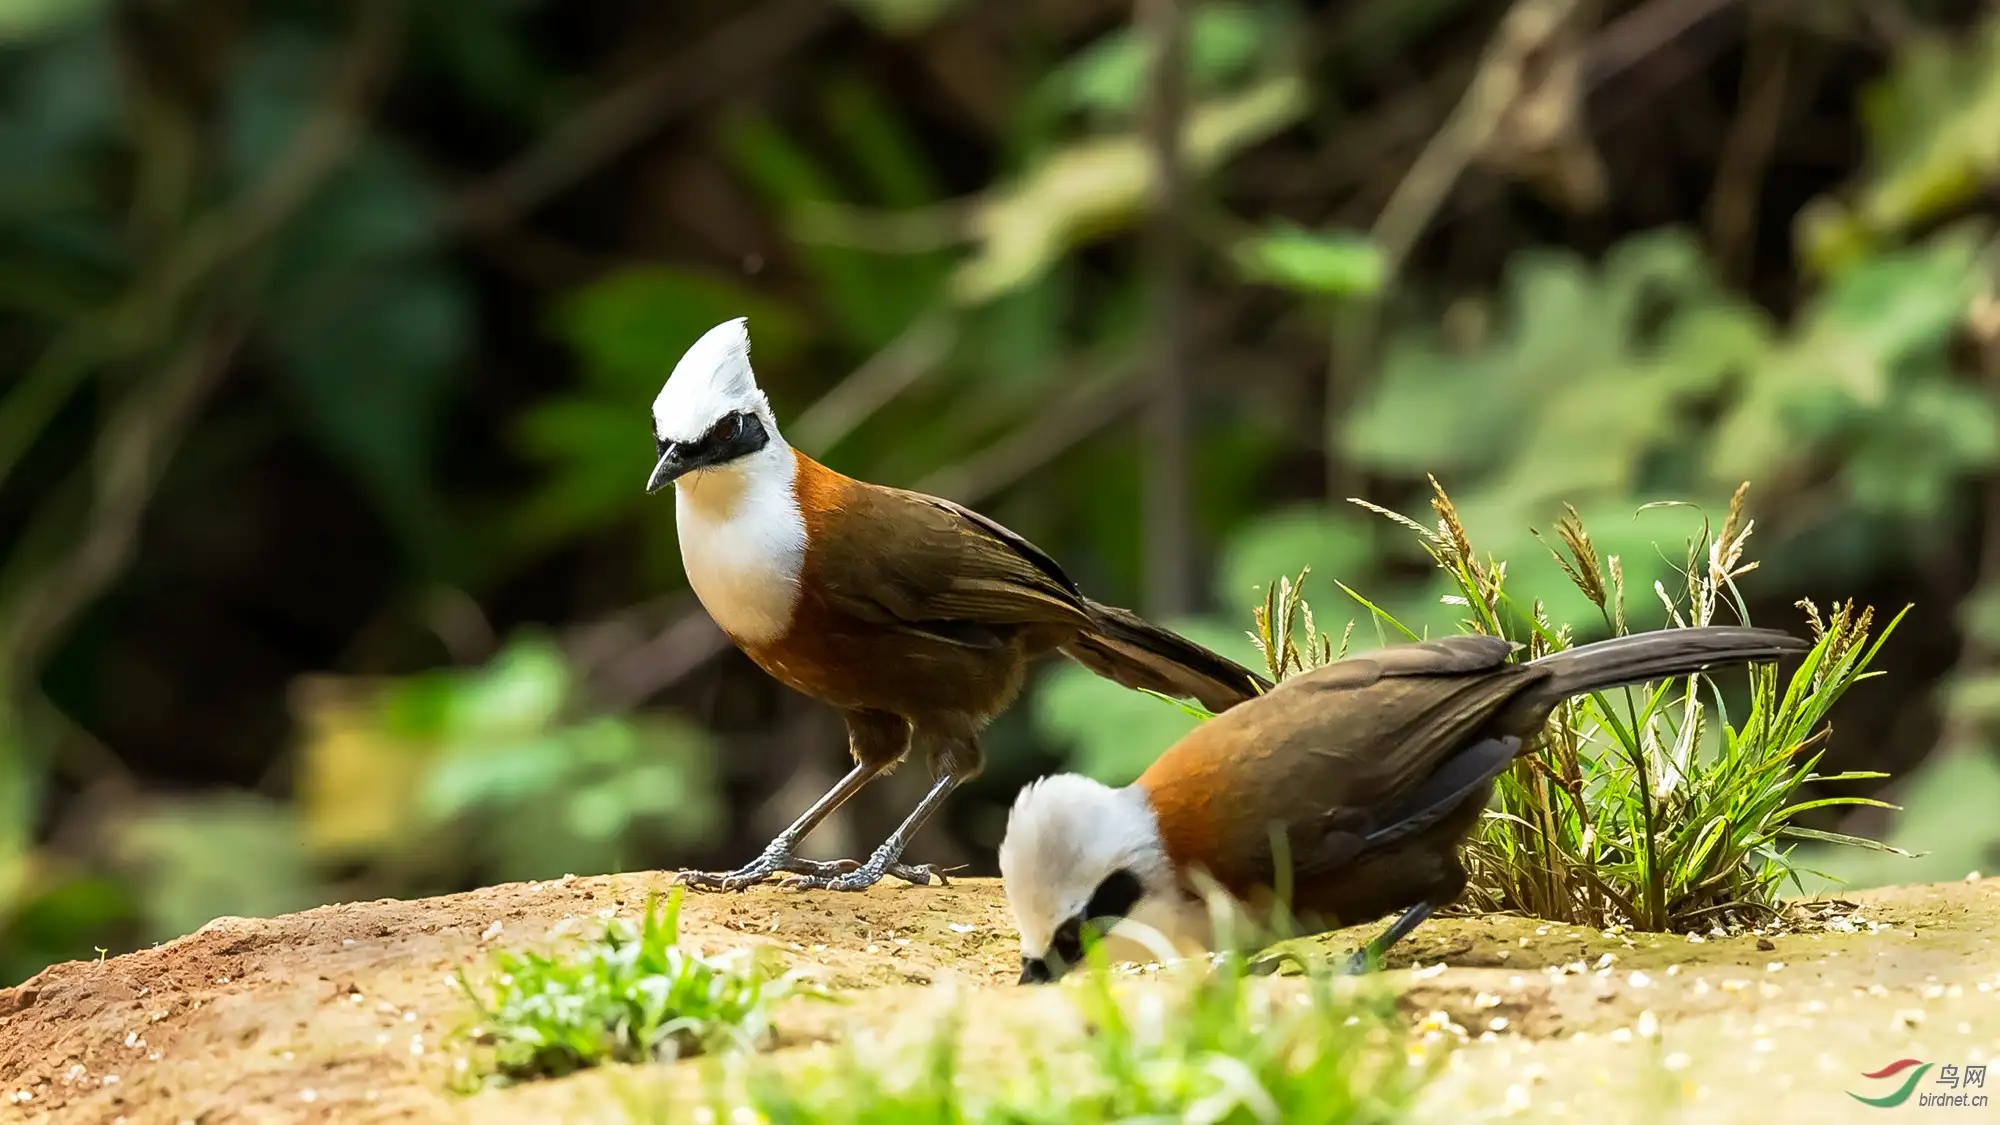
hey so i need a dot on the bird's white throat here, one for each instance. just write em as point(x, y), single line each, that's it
point(743, 541)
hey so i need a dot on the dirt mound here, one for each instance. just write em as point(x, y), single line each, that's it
point(341, 1013)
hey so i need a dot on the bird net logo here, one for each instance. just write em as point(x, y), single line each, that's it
point(1903, 1079)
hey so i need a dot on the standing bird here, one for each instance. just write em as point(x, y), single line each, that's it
point(915, 617)
point(1374, 769)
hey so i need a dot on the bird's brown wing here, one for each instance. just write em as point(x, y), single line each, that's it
point(1328, 752)
point(927, 565)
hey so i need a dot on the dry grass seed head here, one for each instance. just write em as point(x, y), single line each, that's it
point(1584, 568)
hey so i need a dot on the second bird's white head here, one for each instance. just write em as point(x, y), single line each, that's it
point(711, 413)
point(1082, 861)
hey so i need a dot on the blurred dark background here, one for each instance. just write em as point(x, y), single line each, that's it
point(328, 333)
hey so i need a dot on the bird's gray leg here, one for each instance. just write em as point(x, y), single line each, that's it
point(1371, 954)
point(877, 741)
point(954, 761)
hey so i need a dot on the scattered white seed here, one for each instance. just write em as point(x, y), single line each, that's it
point(1649, 1025)
point(1678, 1061)
point(1621, 1035)
point(962, 927)
point(1773, 966)
point(1604, 962)
point(308, 1095)
point(1497, 1023)
point(1639, 979)
point(492, 931)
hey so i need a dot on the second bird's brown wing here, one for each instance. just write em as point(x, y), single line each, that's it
point(929, 566)
point(1324, 754)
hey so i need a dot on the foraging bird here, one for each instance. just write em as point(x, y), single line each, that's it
point(1373, 769)
point(915, 617)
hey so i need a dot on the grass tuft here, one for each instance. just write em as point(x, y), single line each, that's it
point(1217, 1046)
point(632, 994)
point(1648, 807)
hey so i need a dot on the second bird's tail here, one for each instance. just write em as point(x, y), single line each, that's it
point(1657, 655)
point(1127, 649)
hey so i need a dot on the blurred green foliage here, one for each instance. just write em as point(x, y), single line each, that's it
point(316, 319)
point(452, 763)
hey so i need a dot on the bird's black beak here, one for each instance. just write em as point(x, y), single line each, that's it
point(1039, 970)
point(672, 466)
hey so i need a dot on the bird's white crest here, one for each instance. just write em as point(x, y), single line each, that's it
point(743, 538)
point(1065, 835)
point(712, 380)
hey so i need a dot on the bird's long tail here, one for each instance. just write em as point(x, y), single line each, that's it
point(1655, 656)
point(1129, 650)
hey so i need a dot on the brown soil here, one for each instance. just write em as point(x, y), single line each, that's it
point(346, 1012)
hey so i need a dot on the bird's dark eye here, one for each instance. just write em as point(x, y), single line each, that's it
point(729, 428)
point(1115, 897)
point(1068, 942)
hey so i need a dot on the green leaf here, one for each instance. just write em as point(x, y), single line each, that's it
point(1107, 78)
point(1335, 545)
point(22, 21)
point(902, 17)
point(1338, 263)
point(1093, 187)
point(229, 853)
point(631, 326)
point(1796, 832)
point(1932, 146)
point(1946, 826)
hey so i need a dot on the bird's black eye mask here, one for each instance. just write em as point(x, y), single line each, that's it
point(1114, 899)
point(734, 435)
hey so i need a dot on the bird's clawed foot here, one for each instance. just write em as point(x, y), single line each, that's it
point(847, 875)
point(860, 877)
point(806, 873)
point(774, 861)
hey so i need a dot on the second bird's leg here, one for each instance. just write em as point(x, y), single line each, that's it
point(1397, 931)
point(955, 762)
